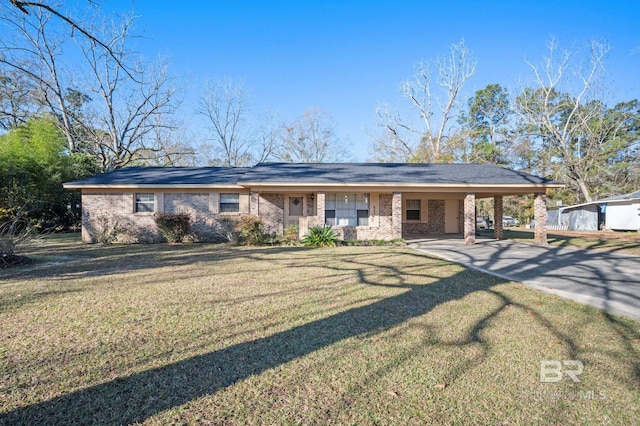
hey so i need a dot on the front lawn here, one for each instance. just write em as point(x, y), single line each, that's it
point(209, 334)
point(620, 242)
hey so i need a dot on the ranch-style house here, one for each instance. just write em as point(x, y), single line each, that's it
point(360, 200)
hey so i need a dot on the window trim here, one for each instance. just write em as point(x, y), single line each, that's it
point(332, 218)
point(364, 217)
point(221, 210)
point(147, 202)
point(413, 210)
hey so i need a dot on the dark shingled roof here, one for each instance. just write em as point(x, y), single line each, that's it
point(266, 173)
point(165, 176)
point(316, 173)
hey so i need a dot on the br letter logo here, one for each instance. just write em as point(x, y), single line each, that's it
point(553, 371)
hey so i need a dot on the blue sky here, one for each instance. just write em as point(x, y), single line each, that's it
point(346, 57)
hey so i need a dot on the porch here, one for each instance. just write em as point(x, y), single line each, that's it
point(388, 215)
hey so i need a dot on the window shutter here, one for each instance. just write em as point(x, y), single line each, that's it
point(244, 203)
point(129, 202)
point(213, 202)
point(159, 202)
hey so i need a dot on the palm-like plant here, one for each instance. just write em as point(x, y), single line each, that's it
point(320, 236)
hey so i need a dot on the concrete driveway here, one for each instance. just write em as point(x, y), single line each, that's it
point(601, 279)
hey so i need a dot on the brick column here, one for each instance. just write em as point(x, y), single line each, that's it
point(470, 218)
point(396, 215)
point(254, 203)
point(320, 205)
point(498, 232)
point(540, 216)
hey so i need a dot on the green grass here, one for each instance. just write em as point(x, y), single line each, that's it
point(558, 239)
point(206, 334)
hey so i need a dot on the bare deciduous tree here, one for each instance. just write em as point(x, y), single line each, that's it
point(426, 140)
point(34, 53)
point(128, 113)
point(76, 26)
point(311, 138)
point(566, 112)
point(16, 105)
point(224, 105)
point(112, 105)
point(268, 139)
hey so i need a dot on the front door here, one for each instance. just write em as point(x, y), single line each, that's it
point(295, 209)
point(451, 217)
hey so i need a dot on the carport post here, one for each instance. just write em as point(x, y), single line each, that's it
point(540, 216)
point(470, 218)
point(498, 232)
point(396, 214)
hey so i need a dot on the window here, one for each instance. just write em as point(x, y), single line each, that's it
point(344, 209)
point(363, 217)
point(145, 203)
point(330, 217)
point(229, 203)
point(413, 210)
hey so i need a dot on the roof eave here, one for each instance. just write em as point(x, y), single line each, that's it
point(399, 184)
point(71, 185)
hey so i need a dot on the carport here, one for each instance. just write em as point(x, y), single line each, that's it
point(452, 211)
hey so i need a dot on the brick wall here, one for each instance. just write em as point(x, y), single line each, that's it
point(254, 203)
point(435, 224)
point(396, 220)
point(196, 204)
point(436, 215)
point(385, 225)
point(311, 204)
point(118, 206)
point(320, 207)
point(102, 210)
point(272, 211)
point(415, 228)
point(470, 218)
point(498, 231)
point(540, 215)
point(99, 208)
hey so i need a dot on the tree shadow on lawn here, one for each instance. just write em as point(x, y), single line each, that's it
point(594, 241)
point(123, 259)
point(94, 261)
point(137, 397)
point(602, 279)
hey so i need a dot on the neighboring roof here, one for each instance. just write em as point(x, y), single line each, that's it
point(624, 197)
point(162, 176)
point(389, 173)
point(616, 198)
point(291, 174)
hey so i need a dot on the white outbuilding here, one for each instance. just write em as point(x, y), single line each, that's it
point(618, 213)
